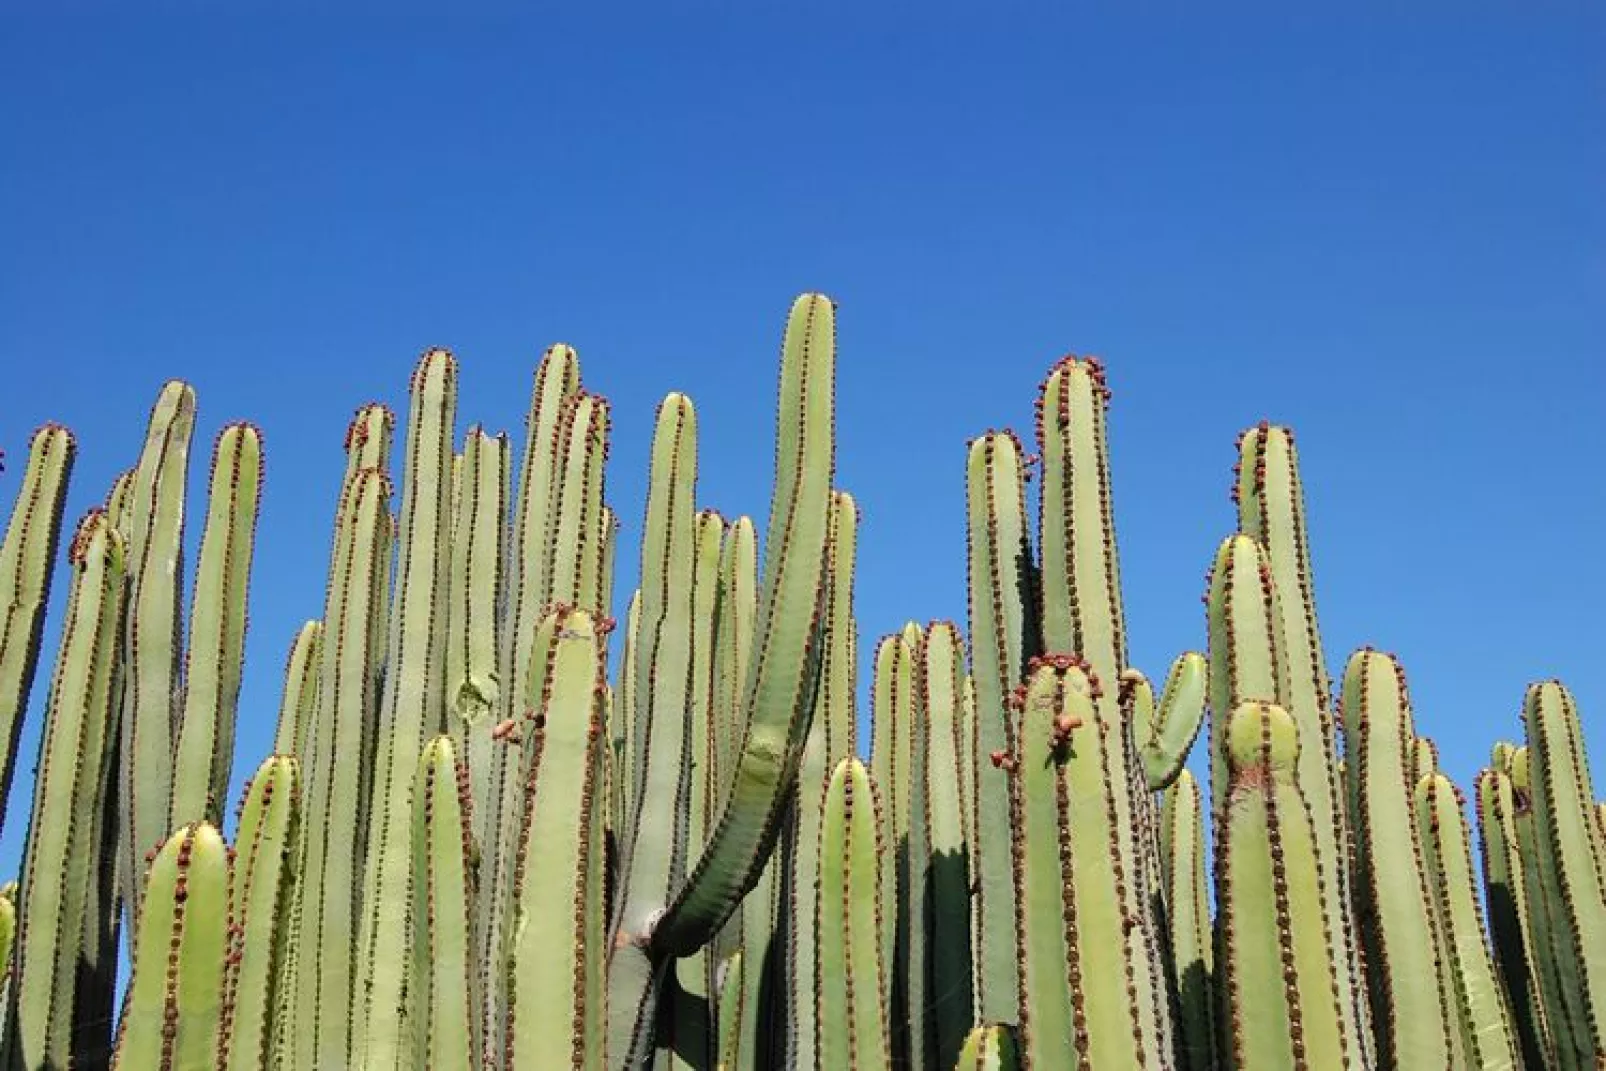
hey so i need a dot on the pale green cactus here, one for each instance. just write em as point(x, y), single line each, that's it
point(989, 1048)
point(851, 1028)
point(442, 1016)
point(1183, 883)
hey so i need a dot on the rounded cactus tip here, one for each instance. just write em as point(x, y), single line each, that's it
point(1261, 736)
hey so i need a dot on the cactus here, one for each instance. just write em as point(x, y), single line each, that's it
point(989, 1048)
point(1183, 883)
point(851, 1029)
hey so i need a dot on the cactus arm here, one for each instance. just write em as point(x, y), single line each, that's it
point(1166, 734)
point(1486, 1030)
point(556, 950)
point(1003, 635)
point(989, 1048)
point(261, 887)
point(788, 641)
point(729, 986)
point(300, 702)
point(1182, 879)
point(1246, 658)
point(61, 854)
point(174, 1009)
point(892, 695)
point(574, 545)
point(851, 1020)
point(204, 752)
point(1279, 978)
point(27, 557)
point(155, 547)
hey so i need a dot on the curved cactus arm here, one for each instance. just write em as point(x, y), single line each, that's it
point(1413, 1019)
point(27, 558)
point(1571, 844)
point(261, 888)
point(1183, 882)
point(441, 1027)
point(851, 1019)
point(1486, 1031)
point(173, 1014)
point(411, 707)
point(1003, 635)
point(555, 955)
point(203, 754)
point(989, 1048)
point(1165, 733)
point(300, 703)
point(1279, 981)
point(788, 642)
point(69, 789)
point(151, 677)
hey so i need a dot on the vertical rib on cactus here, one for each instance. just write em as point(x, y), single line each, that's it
point(69, 787)
point(1279, 980)
point(261, 890)
point(830, 740)
point(1183, 882)
point(851, 1027)
point(892, 692)
point(1410, 1010)
point(151, 678)
point(27, 557)
point(328, 898)
point(174, 1008)
point(574, 547)
point(989, 1048)
point(1003, 634)
point(299, 705)
point(442, 1021)
point(1271, 510)
point(1164, 734)
point(203, 755)
point(788, 640)
point(943, 884)
point(1480, 1004)
point(1246, 656)
point(556, 951)
point(728, 984)
point(412, 705)
point(1571, 844)
point(624, 720)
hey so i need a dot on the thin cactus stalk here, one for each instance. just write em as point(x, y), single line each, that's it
point(27, 556)
point(1410, 1009)
point(442, 1021)
point(8, 936)
point(172, 1018)
point(299, 706)
point(1187, 912)
point(555, 956)
point(1271, 510)
point(851, 1028)
point(155, 536)
point(761, 948)
point(1487, 1036)
point(892, 711)
point(204, 750)
point(62, 851)
point(1278, 977)
point(989, 1048)
point(728, 984)
point(261, 893)
point(1165, 732)
point(411, 708)
point(1246, 656)
point(1003, 633)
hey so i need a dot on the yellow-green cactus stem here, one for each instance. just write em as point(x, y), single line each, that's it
point(989, 1048)
point(574, 549)
point(624, 722)
point(70, 786)
point(173, 1014)
point(728, 984)
point(26, 559)
point(442, 1021)
point(1246, 658)
point(1411, 1011)
point(1003, 635)
point(556, 953)
point(155, 535)
point(203, 753)
point(892, 714)
point(1184, 888)
point(1165, 732)
point(851, 1028)
point(300, 701)
point(1487, 1036)
point(261, 891)
point(8, 934)
point(1278, 978)
point(410, 708)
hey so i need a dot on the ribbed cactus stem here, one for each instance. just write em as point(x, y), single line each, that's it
point(27, 556)
point(204, 751)
point(574, 547)
point(1246, 657)
point(442, 1021)
point(1165, 731)
point(556, 953)
point(851, 1028)
point(1187, 910)
point(173, 1014)
point(1003, 631)
point(1279, 980)
point(261, 891)
point(892, 710)
point(1487, 1036)
point(299, 705)
point(989, 1048)
point(70, 784)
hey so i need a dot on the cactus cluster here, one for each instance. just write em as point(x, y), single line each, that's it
point(502, 830)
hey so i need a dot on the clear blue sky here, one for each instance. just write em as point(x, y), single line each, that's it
point(1386, 231)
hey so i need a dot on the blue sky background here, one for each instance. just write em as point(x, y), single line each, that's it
point(1385, 230)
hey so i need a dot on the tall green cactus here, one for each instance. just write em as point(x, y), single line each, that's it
point(443, 1008)
point(851, 1027)
point(1183, 868)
